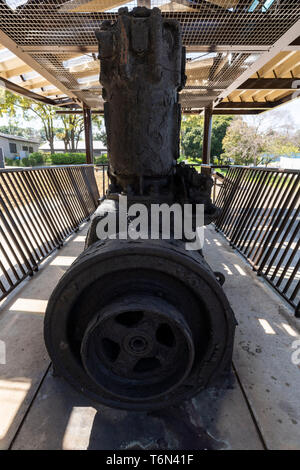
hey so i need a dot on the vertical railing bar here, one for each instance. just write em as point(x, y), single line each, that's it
point(47, 206)
point(232, 182)
point(14, 238)
point(19, 177)
point(61, 210)
point(78, 209)
point(66, 205)
point(295, 291)
point(251, 179)
point(80, 198)
point(237, 201)
point(285, 250)
point(86, 188)
point(14, 213)
point(103, 179)
point(7, 277)
point(287, 265)
point(89, 187)
point(292, 276)
point(20, 236)
point(83, 190)
point(221, 195)
point(53, 200)
point(282, 194)
point(3, 288)
point(6, 256)
point(31, 225)
point(256, 218)
point(241, 235)
point(270, 238)
point(259, 231)
point(28, 175)
point(221, 198)
point(73, 203)
point(229, 188)
point(92, 177)
point(39, 210)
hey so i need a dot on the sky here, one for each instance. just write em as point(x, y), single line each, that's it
point(285, 117)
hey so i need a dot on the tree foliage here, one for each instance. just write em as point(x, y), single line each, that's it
point(246, 144)
point(192, 137)
point(66, 127)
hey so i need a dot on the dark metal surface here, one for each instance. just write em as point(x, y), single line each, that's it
point(142, 71)
point(88, 134)
point(260, 218)
point(40, 207)
point(125, 306)
point(143, 324)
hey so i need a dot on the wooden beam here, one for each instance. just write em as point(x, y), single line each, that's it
point(16, 71)
point(59, 49)
point(233, 112)
point(44, 49)
point(25, 57)
point(7, 85)
point(223, 112)
point(268, 84)
point(286, 39)
point(77, 111)
point(88, 131)
point(245, 105)
point(207, 135)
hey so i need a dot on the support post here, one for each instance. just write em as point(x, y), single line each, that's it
point(88, 131)
point(207, 135)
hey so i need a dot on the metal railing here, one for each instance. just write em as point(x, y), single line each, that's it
point(260, 218)
point(39, 209)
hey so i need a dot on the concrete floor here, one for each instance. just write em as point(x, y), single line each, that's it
point(258, 408)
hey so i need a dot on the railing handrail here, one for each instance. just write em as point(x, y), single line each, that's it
point(274, 169)
point(48, 167)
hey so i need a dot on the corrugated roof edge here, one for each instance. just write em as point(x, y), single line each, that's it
point(18, 137)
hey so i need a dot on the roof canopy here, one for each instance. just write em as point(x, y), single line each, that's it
point(243, 56)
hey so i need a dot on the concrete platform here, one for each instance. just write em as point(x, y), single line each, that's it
point(258, 408)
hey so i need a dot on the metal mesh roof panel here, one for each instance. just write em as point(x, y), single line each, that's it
point(60, 38)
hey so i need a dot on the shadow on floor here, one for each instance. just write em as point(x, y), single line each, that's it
point(60, 418)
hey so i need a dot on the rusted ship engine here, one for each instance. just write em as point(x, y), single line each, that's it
point(143, 323)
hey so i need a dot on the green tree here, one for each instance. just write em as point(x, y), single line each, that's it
point(192, 136)
point(71, 132)
point(14, 128)
point(246, 144)
point(278, 145)
point(67, 127)
point(29, 108)
point(243, 144)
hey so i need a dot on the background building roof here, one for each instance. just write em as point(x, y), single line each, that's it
point(17, 137)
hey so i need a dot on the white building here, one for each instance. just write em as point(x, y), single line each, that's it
point(59, 146)
point(12, 146)
point(288, 163)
